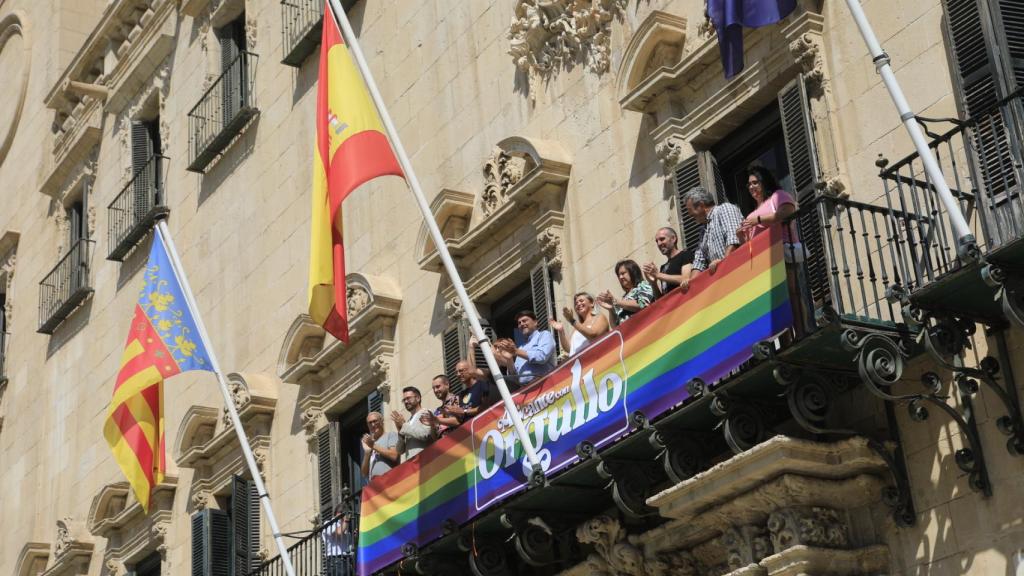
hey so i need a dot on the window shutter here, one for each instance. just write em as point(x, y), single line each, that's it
point(143, 149)
point(687, 176)
point(211, 543)
point(801, 153)
point(76, 222)
point(328, 441)
point(232, 42)
point(451, 352)
point(375, 402)
point(245, 520)
point(543, 301)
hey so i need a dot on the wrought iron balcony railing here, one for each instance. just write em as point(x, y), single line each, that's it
point(981, 160)
point(329, 550)
point(301, 22)
point(65, 287)
point(141, 203)
point(224, 109)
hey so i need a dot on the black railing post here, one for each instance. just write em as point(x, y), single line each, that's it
point(65, 286)
point(214, 122)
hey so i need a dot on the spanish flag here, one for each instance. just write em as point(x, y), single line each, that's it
point(351, 148)
point(163, 340)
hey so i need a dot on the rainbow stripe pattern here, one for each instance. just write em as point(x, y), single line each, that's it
point(644, 365)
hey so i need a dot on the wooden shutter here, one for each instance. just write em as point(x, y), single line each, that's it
point(232, 43)
point(540, 289)
point(76, 222)
point(245, 522)
point(687, 176)
point(797, 130)
point(211, 543)
point(143, 181)
point(375, 402)
point(328, 440)
point(451, 353)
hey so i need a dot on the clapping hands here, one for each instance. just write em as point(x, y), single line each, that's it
point(398, 419)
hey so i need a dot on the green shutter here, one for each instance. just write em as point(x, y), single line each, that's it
point(211, 543)
point(687, 176)
point(794, 110)
point(245, 523)
point(232, 43)
point(375, 402)
point(328, 441)
point(143, 178)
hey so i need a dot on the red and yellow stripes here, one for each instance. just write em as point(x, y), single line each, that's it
point(351, 148)
point(134, 428)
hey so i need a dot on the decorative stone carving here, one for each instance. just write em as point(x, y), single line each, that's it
point(746, 545)
point(545, 34)
point(357, 299)
point(201, 500)
point(384, 389)
point(706, 29)
point(8, 261)
point(115, 567)
point(551, 248)
point(262, 457)
point(809, 526)
point(312, 420)
point(616, 556)
point(502, 171)
point(807, 53)
point(453, 309)
point(670, 152)
point(675, 563)
point(379, 366)
point(64, 539)
point(251, 29)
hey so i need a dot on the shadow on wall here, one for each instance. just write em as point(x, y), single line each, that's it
point(71, 326)
point(132, 263)
point(234, 155)
point(646, 164)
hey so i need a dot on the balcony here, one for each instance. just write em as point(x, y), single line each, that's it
point(310, 558)
point(760, 348)
point(981, 159)
point(141, 203)
point(301, 23)
point(65, 287)
point(224, 109)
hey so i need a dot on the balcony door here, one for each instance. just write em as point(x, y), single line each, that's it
point(232, 63)
point(145, 170)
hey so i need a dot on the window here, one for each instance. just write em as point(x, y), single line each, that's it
point(148, 566)
point(3, 336)
point(226, 542)
point(780, 138)
point(141, 202)
point(535, 294)
point(232, 65)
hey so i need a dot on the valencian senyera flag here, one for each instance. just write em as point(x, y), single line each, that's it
point(730, 17)
point(162, 341)
point(351, 148)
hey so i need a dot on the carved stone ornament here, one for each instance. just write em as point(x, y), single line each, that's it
point(261, 456)
point(615, 555)
point(312, 419)
point(8, 260)
point(502, 171)
point(64, 538)
point(807, 54)
point(546, 34)
point(550, 243)
point(201, 500)
point(453, 309)
point(746, 545)
point(379, 366)
point(670, 152)
point(357, 298)
point(675, 563)
point(115, 567)
point(808, 526)
point(251, 28)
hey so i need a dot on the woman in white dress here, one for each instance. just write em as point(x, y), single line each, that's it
point(588, 324)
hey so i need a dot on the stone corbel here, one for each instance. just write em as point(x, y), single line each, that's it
point(614, 554)
point(8, 262)
point(72, 549)
point(201, 500)
point(453, 309)
point(312, 420)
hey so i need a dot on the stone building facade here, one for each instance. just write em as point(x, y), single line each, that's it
point(552, 138)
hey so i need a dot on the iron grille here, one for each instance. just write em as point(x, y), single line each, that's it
point(141, 203)
point(224, 109)
point(65, 287)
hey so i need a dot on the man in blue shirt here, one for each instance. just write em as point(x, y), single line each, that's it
point(533, 352)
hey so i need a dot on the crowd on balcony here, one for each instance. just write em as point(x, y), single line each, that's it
point(532, 354)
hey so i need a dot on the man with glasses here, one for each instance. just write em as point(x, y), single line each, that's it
point(380, 450)
point(720, 221)
point(420, 430)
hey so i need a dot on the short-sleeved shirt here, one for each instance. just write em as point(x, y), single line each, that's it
point(480, 395)
point(674, 266)
point(770, 206)
point(642, 294)
point(720, 233)
point(449, 401)
point(378, 465)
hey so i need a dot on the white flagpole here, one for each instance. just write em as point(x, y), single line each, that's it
point(435, 234)
point(967, 247)
point(228, 402)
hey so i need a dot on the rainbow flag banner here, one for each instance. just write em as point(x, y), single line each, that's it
point(643, 365)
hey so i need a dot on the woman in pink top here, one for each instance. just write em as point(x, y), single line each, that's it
point(771, 209)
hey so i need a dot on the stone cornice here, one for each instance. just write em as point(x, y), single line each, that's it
point(650, 57)
point(114, 507)
point(452, 210)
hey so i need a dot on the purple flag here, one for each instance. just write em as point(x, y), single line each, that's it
point(731, 16)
